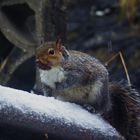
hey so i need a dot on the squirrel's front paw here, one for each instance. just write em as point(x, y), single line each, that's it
point(89, 108)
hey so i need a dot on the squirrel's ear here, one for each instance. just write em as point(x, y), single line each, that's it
point(65, 52)
point(59, 44)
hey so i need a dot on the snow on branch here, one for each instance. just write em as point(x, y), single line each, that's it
point(51, 116)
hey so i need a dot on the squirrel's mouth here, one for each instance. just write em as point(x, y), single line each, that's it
point(43, 66)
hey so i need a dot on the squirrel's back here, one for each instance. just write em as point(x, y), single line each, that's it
point(87, 64)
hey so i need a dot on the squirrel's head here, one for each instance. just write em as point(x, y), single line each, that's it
point(49, 54)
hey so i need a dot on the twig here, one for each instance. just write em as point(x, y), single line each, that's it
point(111, 59)
point(123, 63)
point(125, 68)
point(2, 64)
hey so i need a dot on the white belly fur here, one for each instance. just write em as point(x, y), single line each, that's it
point(50, 77)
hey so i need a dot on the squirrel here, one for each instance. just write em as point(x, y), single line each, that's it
point(73, 76)
point(80, 78)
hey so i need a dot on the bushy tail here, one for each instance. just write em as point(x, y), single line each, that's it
point(125, 110)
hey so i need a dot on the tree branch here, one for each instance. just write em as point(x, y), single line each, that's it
point(15, 36)
point(44, 25)
point(12, 62)
point(48, 115)
point(11, 2)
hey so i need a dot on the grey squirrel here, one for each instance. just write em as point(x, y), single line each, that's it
point(78, 77)
point(73, 76)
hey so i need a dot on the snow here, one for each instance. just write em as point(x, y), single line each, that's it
point(68, 112)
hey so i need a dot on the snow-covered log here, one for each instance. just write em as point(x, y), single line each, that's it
point(51, 116)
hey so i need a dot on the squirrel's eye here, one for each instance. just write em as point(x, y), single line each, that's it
point(51, 51)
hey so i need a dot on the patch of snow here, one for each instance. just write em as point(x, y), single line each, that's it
point(68, 112)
